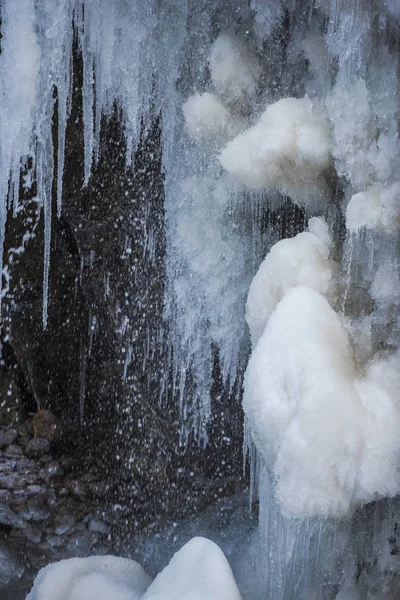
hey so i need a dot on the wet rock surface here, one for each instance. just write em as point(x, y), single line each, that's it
point(49, 510)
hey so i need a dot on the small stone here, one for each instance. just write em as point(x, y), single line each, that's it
point(77, 488)
point(25, 465)
point(37, 447)
point(81, 544)
point(54, 469)
point(11, 481)
point(33, 533)
point(13, 450)
point(9, 517)
point(98, 488)
point(35, 510)
point(7, 465)
point(8, 437)
point(55, 541)
point(64, 524)
point(45, 425)
point(5, 496)
point(97, 526)
point(11, 566)
point(46, 458)
point(36, 489)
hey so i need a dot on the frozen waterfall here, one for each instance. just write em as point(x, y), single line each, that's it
point(260, 102)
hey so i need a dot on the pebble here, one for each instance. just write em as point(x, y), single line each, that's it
point(54, 469)
point(35, 510)
point(98, 488)
point(37, 447)
point(13, 450)
point(97, 526)
point(9, 517)
point(78, 488)
point(8, 437)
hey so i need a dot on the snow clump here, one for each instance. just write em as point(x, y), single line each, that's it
point(376, 208)
point(92, 578)
point(207, 119)
point(301, 260)
point(328, 435)
point(235, 71)
point(288, 146)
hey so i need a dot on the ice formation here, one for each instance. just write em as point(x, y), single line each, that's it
point(200, 571)
point(301, 260)
point(92, 578)
point(288, 146)
point(207, 118)
point(377, 208)
point(304, 99)
point(235, 70)
point(328, 435)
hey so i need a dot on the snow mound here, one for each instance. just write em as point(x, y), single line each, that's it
point(207, 119)
point(198, 571)
point(301, 260)
point(377, 208)
point(234, 69)
point(328, 436)
point(92, 578)
point(288, 146)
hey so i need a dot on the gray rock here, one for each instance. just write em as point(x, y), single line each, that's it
point(11, 481)
point(64, 524)
point(7, 465)
point(55, 541)
point(97, 526)
point(25, 465)
point(36, 489)
point(33, 533)
point(13, 450)
point(36, 447)
point(78, 488)
point(36, 510)
point(9, 517)
point(8, 437)
point(54, 469)
point(80, 544)
point(11, 567)
point(98, 488)
point(46, 458)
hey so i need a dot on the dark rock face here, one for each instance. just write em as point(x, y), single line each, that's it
point(101, 367)
point(47, 512)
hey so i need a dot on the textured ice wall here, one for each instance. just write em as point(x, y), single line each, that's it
point(216, 72)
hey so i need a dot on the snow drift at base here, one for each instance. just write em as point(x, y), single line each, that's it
point(198, 571)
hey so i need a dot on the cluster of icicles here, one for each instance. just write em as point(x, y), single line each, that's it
point(321, 402)
point(325, 421)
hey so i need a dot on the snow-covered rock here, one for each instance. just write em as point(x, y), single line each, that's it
point(198, 571)
point(328, 434)
point(92, 578)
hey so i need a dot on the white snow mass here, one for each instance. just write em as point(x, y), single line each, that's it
point(301, 260)
point(288, 146)
point(377, 208)
point(328, 435)
point(235, 70)
point(198, 571)
point(207, 119)
point(92, 578)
